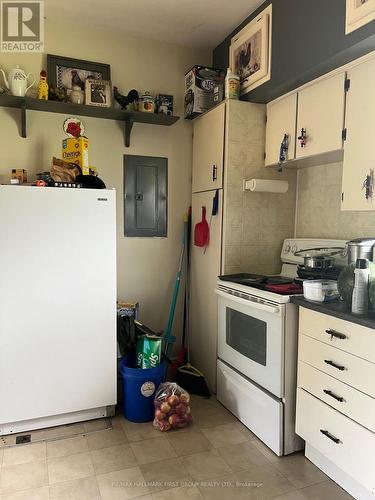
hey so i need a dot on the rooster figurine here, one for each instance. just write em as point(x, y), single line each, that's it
point(76, 80)
point(43, 86)
point(124, 100)
point(244, 58)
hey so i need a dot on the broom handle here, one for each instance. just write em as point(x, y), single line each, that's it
point(168, 337)
point(187, 284)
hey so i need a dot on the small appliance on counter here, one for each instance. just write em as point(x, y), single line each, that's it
point(361, 248)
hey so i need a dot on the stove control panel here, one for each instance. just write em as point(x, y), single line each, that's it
point(293, 245)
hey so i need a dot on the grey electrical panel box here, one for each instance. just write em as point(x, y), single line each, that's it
point(145, 196)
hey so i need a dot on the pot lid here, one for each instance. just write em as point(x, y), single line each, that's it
point(319, 252)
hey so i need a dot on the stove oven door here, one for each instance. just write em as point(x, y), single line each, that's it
point(251, 338)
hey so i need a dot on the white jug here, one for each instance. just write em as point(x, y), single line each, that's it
point(17, 81)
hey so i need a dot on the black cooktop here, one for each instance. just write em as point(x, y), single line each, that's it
point(275, 284)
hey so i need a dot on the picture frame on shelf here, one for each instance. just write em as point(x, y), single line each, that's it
point(64, 72)
point(358, 13)
point(250, 52)
point(164, 104)
point(98, 93)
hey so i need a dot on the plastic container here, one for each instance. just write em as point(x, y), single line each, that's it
point(320, 290)
point(140, 387)
point(360, 291)
point(232, 85)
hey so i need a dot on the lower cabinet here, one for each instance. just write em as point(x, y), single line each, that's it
point(335, 412)
point(347, 444)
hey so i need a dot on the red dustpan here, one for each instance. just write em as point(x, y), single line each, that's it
point(202, 231)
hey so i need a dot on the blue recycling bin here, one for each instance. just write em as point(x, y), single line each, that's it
point(140, 386)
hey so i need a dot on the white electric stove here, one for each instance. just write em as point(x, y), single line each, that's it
point(257, 348)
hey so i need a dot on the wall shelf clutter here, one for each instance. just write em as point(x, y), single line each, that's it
point(129, 117)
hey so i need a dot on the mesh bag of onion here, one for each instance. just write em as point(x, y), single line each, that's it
point(172, 410)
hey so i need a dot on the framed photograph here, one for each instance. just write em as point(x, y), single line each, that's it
point(250, 52)
point(358, 13)
point(164, 104)
point(64, 72)
point(98, 93)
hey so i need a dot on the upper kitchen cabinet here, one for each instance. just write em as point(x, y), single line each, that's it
point(359, 150)
point(208, 150)
point(281, 124)
point(320, 117)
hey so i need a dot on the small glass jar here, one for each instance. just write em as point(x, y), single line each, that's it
point(77, 96)
point(146, 103)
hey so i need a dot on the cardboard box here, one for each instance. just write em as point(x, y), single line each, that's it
point(204, 88)
point(77, 151)
point(20, 174)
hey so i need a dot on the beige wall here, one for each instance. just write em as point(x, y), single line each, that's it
point(146, 267)
point(255, 224)
point(318, 207)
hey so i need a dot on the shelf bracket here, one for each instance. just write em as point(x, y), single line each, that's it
point(128, 128)
point(23, 122)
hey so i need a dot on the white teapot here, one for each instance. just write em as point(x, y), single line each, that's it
point(17, 81)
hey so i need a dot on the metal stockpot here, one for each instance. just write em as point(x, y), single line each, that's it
point(361, 248)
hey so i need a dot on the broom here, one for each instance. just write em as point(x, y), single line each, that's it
point(187, 376)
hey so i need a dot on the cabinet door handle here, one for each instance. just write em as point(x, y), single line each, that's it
point(332, 363)
point(333, 395)
point(335, 334)
point(214, 173)
point(330, 436)
point(303, 138)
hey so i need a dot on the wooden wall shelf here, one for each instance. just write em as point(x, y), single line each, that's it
point(68, 108)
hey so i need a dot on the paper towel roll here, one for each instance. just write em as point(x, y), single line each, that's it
point(266, 186)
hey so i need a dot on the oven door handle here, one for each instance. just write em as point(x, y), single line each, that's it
point(252, 303)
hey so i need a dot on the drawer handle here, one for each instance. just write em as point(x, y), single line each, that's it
point(332, 363)
point(333, 395)
point(335, 334)
point(329, 436)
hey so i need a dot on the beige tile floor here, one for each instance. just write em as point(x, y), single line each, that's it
point(216, 458)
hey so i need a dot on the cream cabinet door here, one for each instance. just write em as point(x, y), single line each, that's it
point(205, 268)
point(359, 147)
point(281, 120)
point(321, 109)
point(208, 150)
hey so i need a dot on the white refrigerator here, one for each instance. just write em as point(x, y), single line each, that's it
point(57, 306)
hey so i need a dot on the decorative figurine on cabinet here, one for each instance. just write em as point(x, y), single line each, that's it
point(43, 86)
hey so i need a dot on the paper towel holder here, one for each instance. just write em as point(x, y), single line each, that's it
point(267, 185)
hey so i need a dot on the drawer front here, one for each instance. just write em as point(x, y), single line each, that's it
point(354, 371)
point(261, 413)
point(344, 442)
point(352, 403)
point(349, 337)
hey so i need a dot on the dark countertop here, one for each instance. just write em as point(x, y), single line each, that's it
point(337, 309)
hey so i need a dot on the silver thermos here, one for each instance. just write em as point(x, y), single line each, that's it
point(361, 248)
